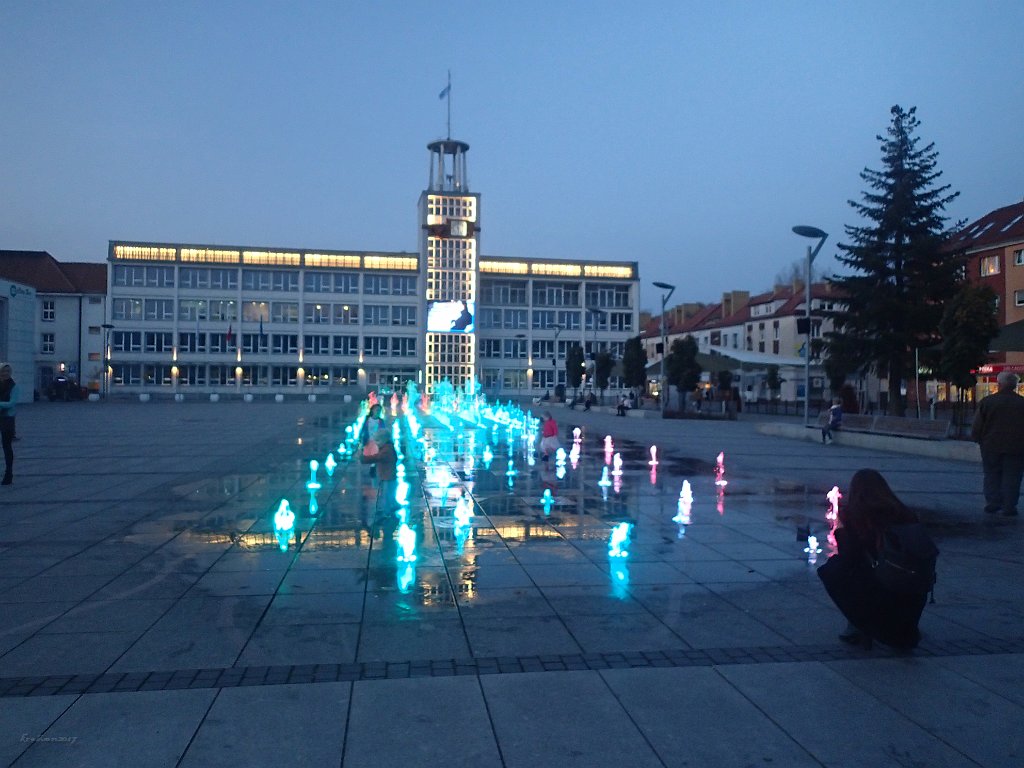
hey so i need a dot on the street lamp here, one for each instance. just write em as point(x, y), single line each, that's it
point(812, 232)
point(554, 355)
point(107, 328)
point(664, 343)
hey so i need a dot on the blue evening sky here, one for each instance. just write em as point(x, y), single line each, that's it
point(688, 136)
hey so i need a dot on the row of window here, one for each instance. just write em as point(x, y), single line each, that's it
point(553, 294)
point(219, 278)
point(226, 310)
point(493, 379)
point(201, 375)
point(540, 349)
point(544, 319)
point(255, 343)
point(991, 265)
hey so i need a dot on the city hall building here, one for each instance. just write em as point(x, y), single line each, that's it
point(201, 318)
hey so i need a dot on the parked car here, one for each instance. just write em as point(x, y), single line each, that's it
point(65, 388)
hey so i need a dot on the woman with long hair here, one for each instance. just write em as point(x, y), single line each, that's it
point(871, 610)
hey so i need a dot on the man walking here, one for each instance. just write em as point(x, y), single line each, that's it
point(999, 430)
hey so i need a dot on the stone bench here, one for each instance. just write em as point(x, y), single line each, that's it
point(897, 426)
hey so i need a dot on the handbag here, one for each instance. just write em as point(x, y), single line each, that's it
point(371, 449)
point(906, 560)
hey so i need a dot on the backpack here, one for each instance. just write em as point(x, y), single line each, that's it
point(906, 560)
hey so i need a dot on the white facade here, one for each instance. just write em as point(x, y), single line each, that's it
point(230, 319)
point(69, 338)
point(17, 333)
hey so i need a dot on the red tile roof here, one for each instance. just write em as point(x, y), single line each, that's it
point(1001, 226)
point(47, 275)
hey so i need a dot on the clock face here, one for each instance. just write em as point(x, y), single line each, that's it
point(458, 228)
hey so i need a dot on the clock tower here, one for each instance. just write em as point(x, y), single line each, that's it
point(449, 219)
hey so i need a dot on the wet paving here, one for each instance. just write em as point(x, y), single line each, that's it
point(160, 565)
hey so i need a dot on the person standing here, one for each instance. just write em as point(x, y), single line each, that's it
point(548, 436)
point(8, 400)
point(999, 431)
point(384, 457)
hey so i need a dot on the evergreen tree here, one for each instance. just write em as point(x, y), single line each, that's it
point(634, 363)
point(901, 277)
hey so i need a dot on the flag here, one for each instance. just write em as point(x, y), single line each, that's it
point(230, 337)
point(445, 92)
point(261, 328)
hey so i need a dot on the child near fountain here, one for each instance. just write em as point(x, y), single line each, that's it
point(385, 460)
point(548, 436)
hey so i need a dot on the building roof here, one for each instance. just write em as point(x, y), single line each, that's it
point(47, 275)
point(999, 227)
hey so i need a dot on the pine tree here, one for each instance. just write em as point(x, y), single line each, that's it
point(901, 275)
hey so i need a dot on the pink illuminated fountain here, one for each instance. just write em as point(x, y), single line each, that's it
point(720, 480)
point(832, 515)
point(654, 456)
point(617, 465)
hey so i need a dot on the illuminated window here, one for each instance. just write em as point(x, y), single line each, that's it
point(209, 256)
point(254, 311)
point(316, 313)
point(505, 267)
point(144, 253)
point(442, 207)
point(223, 309)
point(271, 257)
point(346, 314)
point(604, 270)
point(391, 262)
point(192, 310)
point(332, 260)
point(567, 270)
point(989, 266)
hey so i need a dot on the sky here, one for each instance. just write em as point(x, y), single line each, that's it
point(689, 137)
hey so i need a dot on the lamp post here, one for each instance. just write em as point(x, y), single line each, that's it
point(554, 356)
point(107, 328)
point(821, 237)
point(664, 343)
point(597, 315)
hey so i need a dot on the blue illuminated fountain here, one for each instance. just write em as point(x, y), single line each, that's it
point(406, 544)
point(618, 543)
point(547, 501)
point(330, 464)
point(284, 524)
point(313, 484)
